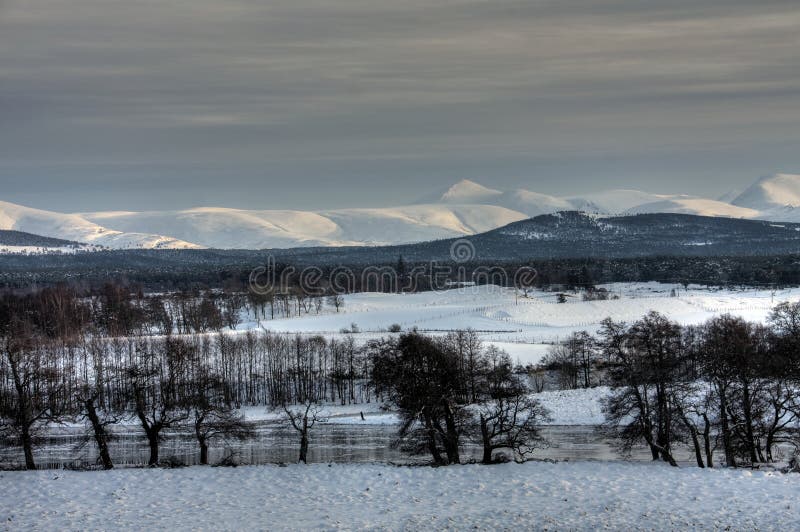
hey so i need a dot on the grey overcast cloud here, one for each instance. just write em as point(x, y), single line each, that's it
point(153, 104)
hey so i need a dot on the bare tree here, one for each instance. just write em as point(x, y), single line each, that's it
point(155, 383)
point(423, 378)
point(564, 362)
point(88, 396)
point(509, 417)
point(336, 301)
point(38, 393)
point(693, 402)
point(643, 358)
point(303, 420)
point(212, 417)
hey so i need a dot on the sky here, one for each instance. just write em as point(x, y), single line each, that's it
point(308, 104)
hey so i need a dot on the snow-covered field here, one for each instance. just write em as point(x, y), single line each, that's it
point(40, 250)
point(531, 496)
point(525, 327)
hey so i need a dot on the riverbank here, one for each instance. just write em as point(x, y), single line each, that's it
point(535, 495)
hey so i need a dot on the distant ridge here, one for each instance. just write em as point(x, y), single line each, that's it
point(466, 208)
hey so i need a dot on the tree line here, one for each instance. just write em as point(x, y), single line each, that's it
point(728, 384)
point(230, 270)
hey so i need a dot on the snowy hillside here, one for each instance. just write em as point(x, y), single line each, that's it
point(247, 229)
point(76, 228)
point(773, 192)
point(697, 206)
point(466, 191)
point(775, 198)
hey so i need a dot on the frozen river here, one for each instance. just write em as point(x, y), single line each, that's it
point(329, 443)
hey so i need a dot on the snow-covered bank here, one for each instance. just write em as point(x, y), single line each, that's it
point(575, 407)
point(567, 407)
point(575, 496)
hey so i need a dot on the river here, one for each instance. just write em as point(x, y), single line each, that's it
point(68, 447)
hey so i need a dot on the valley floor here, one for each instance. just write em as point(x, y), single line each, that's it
point(535, 495)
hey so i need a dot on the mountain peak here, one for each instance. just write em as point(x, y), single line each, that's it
point(466, 191)
point(771, 192)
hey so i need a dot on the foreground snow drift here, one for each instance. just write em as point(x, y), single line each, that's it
point(580, 496)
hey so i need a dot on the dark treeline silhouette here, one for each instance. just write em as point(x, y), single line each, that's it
point(187, 270)
point(451, 389)
point(728, 383)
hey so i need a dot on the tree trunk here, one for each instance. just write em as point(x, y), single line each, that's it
point(707, 441)
point(487, 442)
point(152, 439)
point(666, 455)
point(654, 452)
point(698, 454)
point(432, 447)
point(748, 423)
point(660, 452)
point(727, 444)
point(451, 440)
point(203, 453)
point(27, 447)
point(304, 448)
point(769, 444)
point(100, 436)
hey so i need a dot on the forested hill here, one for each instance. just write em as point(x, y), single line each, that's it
point(577, 235)
point(19, 238)
point(643, 240)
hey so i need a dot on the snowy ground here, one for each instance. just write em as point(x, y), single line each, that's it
point(525, 327)
point(567, 407)
point(563, 496)
point(39, 250)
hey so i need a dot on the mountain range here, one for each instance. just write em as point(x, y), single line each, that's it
point(463, 209)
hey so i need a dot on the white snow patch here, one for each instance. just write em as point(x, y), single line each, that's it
point(535, 495)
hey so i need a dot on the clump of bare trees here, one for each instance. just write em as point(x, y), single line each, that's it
point(728, 383)
point(508, 416)
point(575, 361)
point(451, 389)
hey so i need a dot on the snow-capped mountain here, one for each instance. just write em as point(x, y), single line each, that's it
point(75, 227)
point(465, 208)
point(251, 229)
point(776, 197)
point(466, 191)
point(615, 201)
point(698, 206)
point(773, 192)
point(605, 203)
